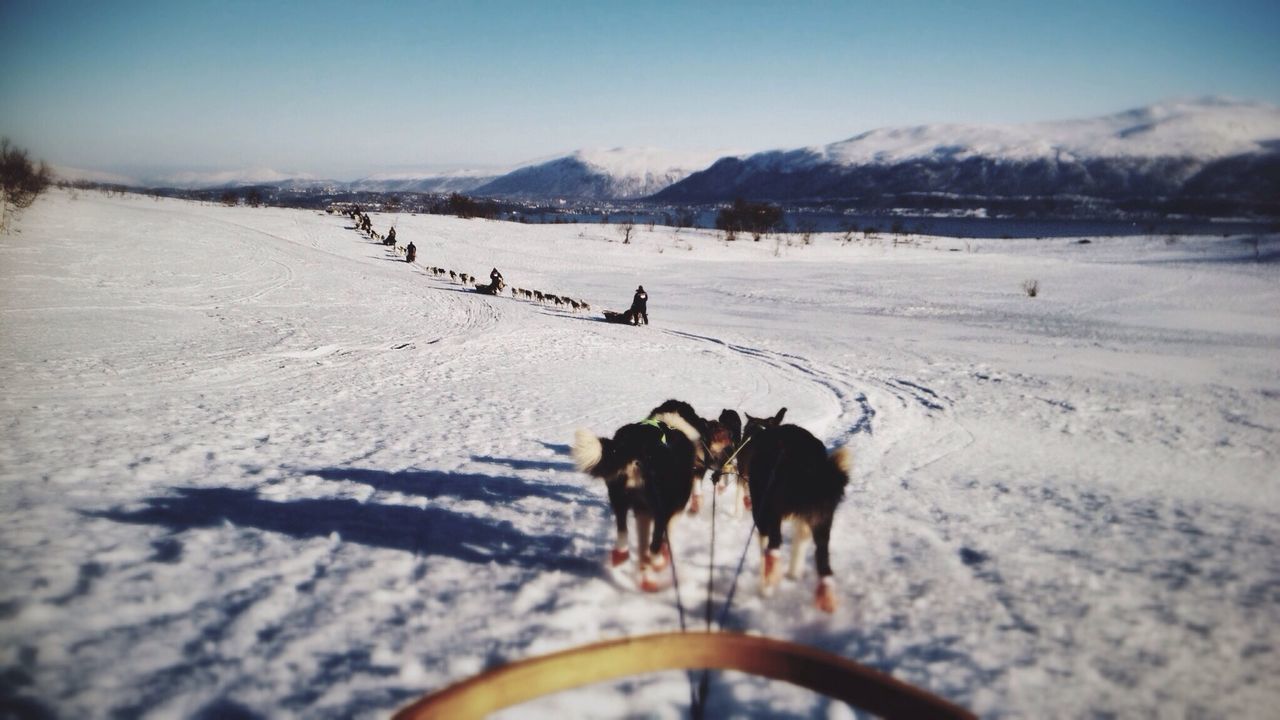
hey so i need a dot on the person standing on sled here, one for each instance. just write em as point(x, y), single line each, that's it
point(495, 277)
point(639, 311)
point(411, 252)
point(391, 237)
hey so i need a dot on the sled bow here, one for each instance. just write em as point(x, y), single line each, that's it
point(822, 672)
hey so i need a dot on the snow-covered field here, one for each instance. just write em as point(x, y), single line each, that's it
point(254, 466)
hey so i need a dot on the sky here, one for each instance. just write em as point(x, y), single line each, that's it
point(343, 89)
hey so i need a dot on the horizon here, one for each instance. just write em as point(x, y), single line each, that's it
point(324, 91)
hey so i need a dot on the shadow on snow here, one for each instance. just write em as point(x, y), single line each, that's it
point(430, 531)
point(434, 484)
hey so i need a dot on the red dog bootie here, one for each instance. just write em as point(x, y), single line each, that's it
point(772, 569)
point(825, 597)
point(619, 556)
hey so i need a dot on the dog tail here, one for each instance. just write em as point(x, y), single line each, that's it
point(588, 450)
point(675, 422)
point(842, 459)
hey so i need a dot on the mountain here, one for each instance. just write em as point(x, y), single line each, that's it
point(263, 177)
point(451, 181)
point(614, 174)
point(1196, 151)
point(76, 175)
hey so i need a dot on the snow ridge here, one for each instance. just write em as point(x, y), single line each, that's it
point(1206, 128)
point(601, 174)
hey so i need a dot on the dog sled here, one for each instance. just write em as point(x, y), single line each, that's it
point(493, 288)
point(625, 318)
point(830, 675)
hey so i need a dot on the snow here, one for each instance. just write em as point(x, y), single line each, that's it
point(254, 466)
point(1206, 128)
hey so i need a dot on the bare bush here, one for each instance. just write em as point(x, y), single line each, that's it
point(805, 229)
point(1031, 287)
point(21, 181)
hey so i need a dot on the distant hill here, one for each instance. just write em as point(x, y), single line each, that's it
point(463, 181)
point(1196, 152)
point(615, 174)
point(1207, 156)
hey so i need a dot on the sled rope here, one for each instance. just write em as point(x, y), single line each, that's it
point(675, 583)
point(698, 711)
point(724, 612)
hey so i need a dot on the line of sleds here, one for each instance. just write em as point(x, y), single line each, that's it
point(637, 314)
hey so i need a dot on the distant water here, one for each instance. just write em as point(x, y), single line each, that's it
point(959, 227)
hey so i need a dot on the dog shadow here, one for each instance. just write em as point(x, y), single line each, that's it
point(557, 448)
point(431, 531)
point(433, 485)
point(522, 464)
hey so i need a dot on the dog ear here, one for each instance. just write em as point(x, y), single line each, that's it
point(777, 419)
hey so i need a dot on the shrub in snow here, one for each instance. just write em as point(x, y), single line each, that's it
point(20, 180)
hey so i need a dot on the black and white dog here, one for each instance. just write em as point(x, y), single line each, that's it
point(712, 448)
point(740, 467)
point(791, 476)
point(648, 470)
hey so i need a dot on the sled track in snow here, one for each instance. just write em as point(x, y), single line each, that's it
point(906, 404)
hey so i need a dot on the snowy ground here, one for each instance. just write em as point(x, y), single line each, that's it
point(253, 466)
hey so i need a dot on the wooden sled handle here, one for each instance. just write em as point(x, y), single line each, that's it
point(822, 672)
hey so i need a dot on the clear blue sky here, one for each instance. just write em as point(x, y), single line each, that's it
point(342, 89)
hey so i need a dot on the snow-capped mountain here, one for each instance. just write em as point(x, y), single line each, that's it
point(1169, 149)
point(1207, 128)
point(74, 174)
point(425, 181)
point(197, 179)
point(613, 174)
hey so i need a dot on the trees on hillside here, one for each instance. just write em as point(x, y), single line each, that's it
point(20, 179)
point(744, 216)
point(466, 207)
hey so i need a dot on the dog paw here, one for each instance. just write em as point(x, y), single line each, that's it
point(619, 556)
point(825, 597)
point(659, 563)
point(772, 569)
point(649, 584)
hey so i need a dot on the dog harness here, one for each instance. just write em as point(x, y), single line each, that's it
point(661, 427)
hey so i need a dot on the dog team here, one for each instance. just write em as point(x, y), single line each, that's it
point(494, 287)
point(655, 468)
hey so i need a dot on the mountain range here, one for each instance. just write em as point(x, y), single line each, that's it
point(1208, 150)
point(1209, 154)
